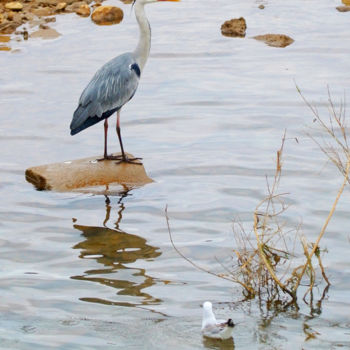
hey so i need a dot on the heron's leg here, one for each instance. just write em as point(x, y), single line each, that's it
point(106, 134)
point(120, 136)
point(105, 155)
point(124, 157)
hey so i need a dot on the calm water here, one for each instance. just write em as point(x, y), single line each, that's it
point(79, 271)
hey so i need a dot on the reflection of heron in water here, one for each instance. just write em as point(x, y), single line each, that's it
point(115, 249)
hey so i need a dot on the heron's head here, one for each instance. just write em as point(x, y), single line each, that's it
point(144, 2)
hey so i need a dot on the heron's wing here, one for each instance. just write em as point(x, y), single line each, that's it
point(112, 86)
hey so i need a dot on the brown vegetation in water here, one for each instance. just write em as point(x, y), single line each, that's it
point(265, 263)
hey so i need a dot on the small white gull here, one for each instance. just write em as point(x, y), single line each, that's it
point(213, 328)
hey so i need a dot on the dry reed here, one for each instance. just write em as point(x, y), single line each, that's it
point(266, 266)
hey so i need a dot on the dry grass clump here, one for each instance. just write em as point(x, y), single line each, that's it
point(265, 263)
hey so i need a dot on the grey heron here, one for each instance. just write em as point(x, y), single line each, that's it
point(114, 84)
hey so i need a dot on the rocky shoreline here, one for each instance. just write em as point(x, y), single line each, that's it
point(39, 13)
point(15, 13)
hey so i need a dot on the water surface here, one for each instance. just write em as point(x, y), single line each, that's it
point(82, 271)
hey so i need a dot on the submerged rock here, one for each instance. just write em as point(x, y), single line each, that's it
point(107, 15)
point(45, 33)
point(275, 40)
point(235, 27)
point(343, 8)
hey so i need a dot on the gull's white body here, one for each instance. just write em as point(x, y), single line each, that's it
point(213, 328)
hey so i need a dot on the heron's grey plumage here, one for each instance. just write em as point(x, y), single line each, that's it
point(113, 85)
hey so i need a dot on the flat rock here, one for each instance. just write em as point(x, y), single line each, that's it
point(14, 6)
point(235, 27)
point(85, 173)
point(107, 15)
point(45, 33)
point(275, 40)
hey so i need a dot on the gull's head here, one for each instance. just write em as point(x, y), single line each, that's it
point(230, 323)
point(208, 306)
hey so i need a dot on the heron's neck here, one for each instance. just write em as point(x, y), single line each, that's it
point(144, 45)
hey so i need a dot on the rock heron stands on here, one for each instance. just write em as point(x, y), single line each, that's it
point(114, 84)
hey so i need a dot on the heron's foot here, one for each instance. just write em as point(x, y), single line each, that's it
point(109, 158)
point(126, 159)
point(121, 159)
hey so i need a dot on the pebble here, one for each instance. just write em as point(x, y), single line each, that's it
point(42, 11)
point(83, 10)
point(75, 6)
point(107, 15)
point(61, 6)
point(14, 6)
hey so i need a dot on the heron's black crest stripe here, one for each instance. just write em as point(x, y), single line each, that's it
point(136, 68)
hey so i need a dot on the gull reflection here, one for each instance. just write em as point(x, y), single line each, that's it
point(217, 344)
point(115, 249)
